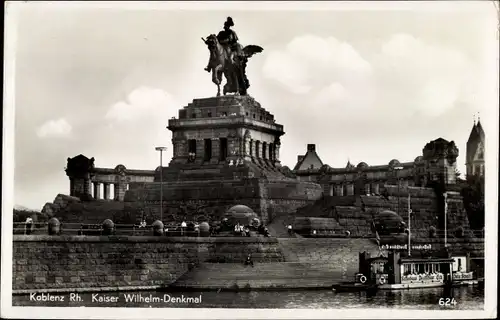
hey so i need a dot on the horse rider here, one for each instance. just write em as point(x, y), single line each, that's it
point(229, 40)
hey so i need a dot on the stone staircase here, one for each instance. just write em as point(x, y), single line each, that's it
point(310, 263)
point(213, 276)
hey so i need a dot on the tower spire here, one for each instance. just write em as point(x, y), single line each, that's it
point(474, 119)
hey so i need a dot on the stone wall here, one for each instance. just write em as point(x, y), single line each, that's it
point(214, 197)
point(427, 209)
point(66, 262)
point(354, 220)
point(340, 254)
point(282, 198)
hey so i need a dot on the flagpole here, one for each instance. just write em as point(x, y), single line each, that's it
point(409, 224)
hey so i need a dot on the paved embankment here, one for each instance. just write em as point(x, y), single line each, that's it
point(310, 263)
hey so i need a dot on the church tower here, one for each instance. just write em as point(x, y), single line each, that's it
point(475, 151)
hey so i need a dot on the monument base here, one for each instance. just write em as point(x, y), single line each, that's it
point(206, 194)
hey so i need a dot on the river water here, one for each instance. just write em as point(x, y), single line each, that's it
point(465, 298)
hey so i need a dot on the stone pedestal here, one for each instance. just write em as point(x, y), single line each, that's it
point(240, 128)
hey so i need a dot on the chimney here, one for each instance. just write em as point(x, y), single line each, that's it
point(299, 158)
point(311, 147)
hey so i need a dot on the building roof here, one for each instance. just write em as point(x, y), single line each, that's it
point(423, 260)
point(310, 160)
point(476, 138)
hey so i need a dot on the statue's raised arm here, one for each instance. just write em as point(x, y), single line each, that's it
point(228, 57)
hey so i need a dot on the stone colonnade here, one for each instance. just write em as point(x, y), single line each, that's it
point(119, 190)
point(262, 150)
point(347, 189)
point(220, 148)
point(87, 186)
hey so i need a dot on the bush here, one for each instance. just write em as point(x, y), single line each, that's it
point(21, 215)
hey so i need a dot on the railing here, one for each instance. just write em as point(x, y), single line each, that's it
point(119, 229)
point(451, 233)
point(177, 231)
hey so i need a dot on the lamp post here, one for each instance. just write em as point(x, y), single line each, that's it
point(161, 149)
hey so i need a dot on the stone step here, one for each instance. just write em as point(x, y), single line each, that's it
point(261, 275)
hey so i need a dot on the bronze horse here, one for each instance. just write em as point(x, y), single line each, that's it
point(232, 65)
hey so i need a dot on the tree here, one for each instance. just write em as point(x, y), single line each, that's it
point(472, 192)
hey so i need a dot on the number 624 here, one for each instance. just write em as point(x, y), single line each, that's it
point(447, 302)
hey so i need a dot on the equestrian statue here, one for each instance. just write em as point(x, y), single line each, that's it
point(229, 58)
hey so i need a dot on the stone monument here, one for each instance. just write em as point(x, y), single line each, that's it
point(226, 151)
point(229, 58)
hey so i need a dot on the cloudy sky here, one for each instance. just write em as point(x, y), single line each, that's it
point(368, 82)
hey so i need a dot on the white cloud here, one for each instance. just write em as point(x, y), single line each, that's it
point(141, 102)
point(334, 93)
point(423, 77)
point(310, 61)
point(403, 74)
point(54, 128)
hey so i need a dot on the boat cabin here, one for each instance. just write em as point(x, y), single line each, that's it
point(394, 271)
point(430, 270)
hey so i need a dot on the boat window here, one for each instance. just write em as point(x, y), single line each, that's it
point(381, 268)
point(407, 269)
